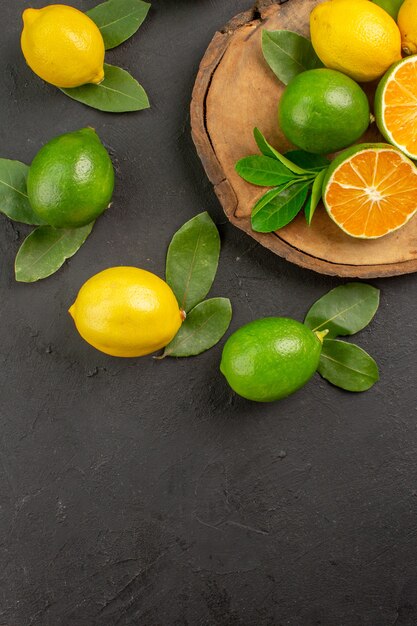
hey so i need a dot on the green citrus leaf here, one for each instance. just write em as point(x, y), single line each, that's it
point(267, 197)
point(119, 19)
point(263, 171)
point(315, 196)
point(345, 310)
point(192, 260)
point(281, 209)
point(269, 151)
point(288, 54)
point(118, 93)
point(307, 160)
point(204, 326)
point(347, 366)
point(14, 201)
point(46, 249)
point(266, 148)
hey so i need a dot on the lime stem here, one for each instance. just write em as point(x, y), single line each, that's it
point(320, 334)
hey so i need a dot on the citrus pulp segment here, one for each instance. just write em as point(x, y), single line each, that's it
point(396, 106)
point(370, 190)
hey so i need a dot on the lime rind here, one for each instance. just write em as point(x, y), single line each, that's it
point(346, 155)
point(380, 104)
point(270, 358)
point(323, 110)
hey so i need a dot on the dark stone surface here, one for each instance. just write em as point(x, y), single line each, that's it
point(145, 493)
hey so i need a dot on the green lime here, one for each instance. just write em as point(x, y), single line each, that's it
point(270, 358)
point(71, 180)
point(390, 6)
point(323, 110)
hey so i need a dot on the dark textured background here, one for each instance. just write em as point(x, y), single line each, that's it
point(135, 492)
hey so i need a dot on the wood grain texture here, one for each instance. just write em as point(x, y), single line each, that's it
point(236, 91)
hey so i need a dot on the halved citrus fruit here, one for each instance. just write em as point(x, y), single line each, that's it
point(370, 190)
point(396, 106)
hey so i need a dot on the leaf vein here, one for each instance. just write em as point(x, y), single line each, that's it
point(120, 19)
point(3, 182)
point(122, 93)
point(191, 335)
point(352, 369)
point(190, 272)
point(287, 54)
point(339, 313)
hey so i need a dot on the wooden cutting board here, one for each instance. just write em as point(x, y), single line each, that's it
point(235, 91)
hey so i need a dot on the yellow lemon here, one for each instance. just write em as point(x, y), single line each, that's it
point(407, 23)
point(63, 46)
point(126, 312)
point(356, 37)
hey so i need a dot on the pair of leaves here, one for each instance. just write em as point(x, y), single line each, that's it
point(192, 260)
point(119, 92)
point(46, 249)
point(288, 54)
point(291, 176)
point(343, 311)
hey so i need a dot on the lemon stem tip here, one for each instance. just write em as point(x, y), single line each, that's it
point(29, 15)
point(98, 78)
